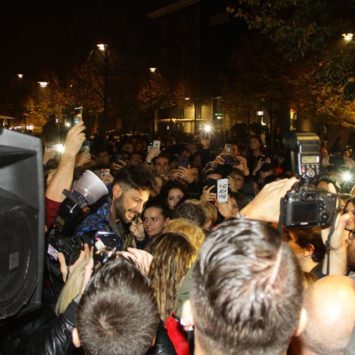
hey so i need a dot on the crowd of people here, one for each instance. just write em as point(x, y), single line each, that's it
point(188, 272)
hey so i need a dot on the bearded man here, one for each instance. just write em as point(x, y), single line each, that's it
point(130, 191)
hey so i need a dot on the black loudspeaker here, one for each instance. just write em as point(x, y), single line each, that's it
point(21, 223)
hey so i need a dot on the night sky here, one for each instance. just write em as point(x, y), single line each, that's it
point(51, 35)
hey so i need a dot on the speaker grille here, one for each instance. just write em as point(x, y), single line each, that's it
point(18, 257)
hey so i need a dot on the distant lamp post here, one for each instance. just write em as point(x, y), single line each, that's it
point(153, 71)
point(101, 47)
point(20, 76)
point(207, 128)
point(261, 115)
point(348, 36)
point(104, 48)
point(43, 84)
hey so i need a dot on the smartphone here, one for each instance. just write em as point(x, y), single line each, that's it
point(85, 147)
point(106, 240)
point(156, 144)
point(222, 190)
point(78, 114)
point(227, 148)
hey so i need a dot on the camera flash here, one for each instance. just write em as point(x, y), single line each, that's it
point(347, 176)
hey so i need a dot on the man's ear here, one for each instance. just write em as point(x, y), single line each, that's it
point(187, 320)
point(116, 191)
point(308, 250)
point(302, 322)
point(75, 338)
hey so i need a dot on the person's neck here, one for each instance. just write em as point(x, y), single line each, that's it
point(307, 264)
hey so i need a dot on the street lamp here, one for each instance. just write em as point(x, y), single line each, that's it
point(104, 48)
point(348, 36)
point(43, 84)
point(20, 76)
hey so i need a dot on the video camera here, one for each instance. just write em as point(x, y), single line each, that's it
point(305, 205)
point(105, 245)
point(86, 191)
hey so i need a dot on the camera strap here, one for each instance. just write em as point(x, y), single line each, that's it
point(281, 217)
point(327, 242)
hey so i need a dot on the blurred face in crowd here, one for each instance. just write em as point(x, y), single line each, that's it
point(192, 148)
point(235, 150)
point(136, 159)
point(161, 166)
point(236, 182)
point(350, 208)
point(174, 196)
point(235, 207)
point(128, 148)
point(104, 158)
point(254, 144)
point(127, 202)
point(154, 221)
point(194, 173)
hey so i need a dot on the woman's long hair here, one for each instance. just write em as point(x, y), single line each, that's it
point(173, 255)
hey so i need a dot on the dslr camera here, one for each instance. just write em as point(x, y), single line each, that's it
point(305, 205)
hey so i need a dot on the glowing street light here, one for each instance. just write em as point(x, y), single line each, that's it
point(348, 36)
point(153, 70)
point(101, 47)
point(207, 128)
point(43, 84)
point(20, 76)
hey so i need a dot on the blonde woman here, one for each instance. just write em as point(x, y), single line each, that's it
point(194, 234)
point(173, 255)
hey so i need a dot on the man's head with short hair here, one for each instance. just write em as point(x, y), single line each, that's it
point(130, 190)
point(192, 212)
point(246, 292)
point(161, 164)
point(330, 306)
point(118, 312)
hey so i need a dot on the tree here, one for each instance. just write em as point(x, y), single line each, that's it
point(255, 79)
point(308, 33)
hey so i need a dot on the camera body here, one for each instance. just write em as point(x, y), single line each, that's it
point(305, 205)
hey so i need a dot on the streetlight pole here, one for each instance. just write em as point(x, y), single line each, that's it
point(152, 71)
point(103, 48)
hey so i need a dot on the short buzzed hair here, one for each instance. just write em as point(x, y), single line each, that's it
point(118, 313)
point(246, 291)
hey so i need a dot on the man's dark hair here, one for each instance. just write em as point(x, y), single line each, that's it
point(246, 290)
point(162, 155)
point(239, 199)
point(192, 212)
point(137, 177)
point(118, 312)
point(310, 237)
